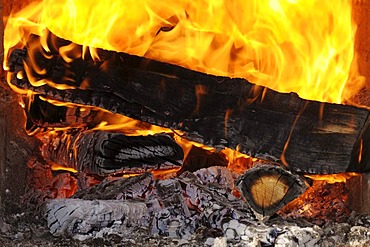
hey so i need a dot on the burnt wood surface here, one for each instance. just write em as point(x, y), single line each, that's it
point(268, 187)
point(213, 110)
point(104, 153)
point(43, 116)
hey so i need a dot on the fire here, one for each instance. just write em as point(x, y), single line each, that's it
point(303, 46)
point(333, 178)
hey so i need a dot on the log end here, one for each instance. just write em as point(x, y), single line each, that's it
point(268, 187)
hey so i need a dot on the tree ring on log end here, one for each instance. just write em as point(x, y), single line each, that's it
point(268, 187)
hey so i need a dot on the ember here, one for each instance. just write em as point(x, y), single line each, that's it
point(132, 144)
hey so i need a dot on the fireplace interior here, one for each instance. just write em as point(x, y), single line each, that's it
point(104, 144)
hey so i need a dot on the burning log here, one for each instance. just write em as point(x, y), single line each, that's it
point(102, 153)
point(267, 188)
point(307, 136)
point(43, 116)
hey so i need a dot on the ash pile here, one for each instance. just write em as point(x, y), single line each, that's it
point(195, 206)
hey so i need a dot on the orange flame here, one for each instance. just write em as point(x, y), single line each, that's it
point(304, 46)
point(333, 178)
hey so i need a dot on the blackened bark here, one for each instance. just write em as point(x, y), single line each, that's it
point(212, 110)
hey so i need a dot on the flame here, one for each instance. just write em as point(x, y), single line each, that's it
point(56, 167)
point(304, 46)
point(333, 178)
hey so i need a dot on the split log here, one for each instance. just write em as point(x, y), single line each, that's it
point(308, 136)
point(103, 153)
point(269, 187)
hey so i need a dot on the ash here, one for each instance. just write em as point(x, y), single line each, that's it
point(193, 209)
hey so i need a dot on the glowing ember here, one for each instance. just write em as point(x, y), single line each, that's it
point(288, 45)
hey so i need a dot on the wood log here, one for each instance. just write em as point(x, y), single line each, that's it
point(308, 136)
point(103, 153)
point(268, 187)
point(359, 193)
point(43, 116)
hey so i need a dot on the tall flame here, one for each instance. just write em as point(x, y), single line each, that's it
point(305, 46)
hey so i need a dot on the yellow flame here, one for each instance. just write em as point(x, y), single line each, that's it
point(56, 167)
point(333, 178)
point(304, 46)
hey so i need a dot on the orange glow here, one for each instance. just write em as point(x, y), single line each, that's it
point(333, 178)
point(56, 167)
point(304, 46)
point(360, 152)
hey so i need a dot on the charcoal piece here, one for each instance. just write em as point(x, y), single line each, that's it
point(102, 153)
point(137, 188)
point(268, 187)
point(83, 219)
point(229, 113)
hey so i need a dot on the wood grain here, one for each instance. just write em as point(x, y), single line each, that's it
point(268, 187)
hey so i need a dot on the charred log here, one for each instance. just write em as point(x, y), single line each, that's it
point(102, 153)
point(43, 116)
point(212, 110)
point(267, 188)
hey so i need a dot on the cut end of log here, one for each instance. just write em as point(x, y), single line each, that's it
point(269, 187)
